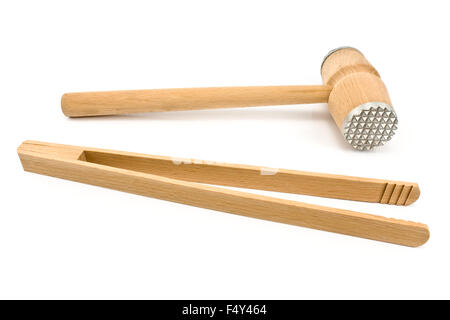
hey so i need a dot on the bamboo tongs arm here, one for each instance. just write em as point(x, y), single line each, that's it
point(261, 178)
point(77, 164)
point(245, 176)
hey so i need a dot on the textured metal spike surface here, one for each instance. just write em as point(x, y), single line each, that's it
point(370, 125)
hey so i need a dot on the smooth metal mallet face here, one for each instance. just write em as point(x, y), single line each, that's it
point(359, 101)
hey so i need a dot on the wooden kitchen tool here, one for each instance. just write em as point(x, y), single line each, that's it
point(186, 181)
point(357, 99)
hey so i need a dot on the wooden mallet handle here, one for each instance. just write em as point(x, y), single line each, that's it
point(85, 104)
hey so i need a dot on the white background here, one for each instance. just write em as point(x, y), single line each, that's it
point(60, 239)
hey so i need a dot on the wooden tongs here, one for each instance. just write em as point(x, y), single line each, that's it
point(187, 182)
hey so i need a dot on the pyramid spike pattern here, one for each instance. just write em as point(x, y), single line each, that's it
point(371, 126)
